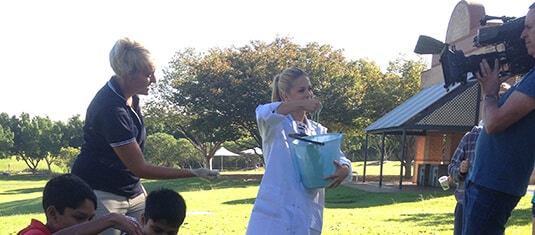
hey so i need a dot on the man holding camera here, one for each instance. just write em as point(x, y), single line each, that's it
point(505, 151)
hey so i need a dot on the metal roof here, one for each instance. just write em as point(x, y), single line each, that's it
point(433, 108)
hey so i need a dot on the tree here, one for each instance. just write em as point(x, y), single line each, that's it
point(7, 136)
point(66, 157)
point(211, 99)
point(189, 157)
point(164, 150)
point(401, 81)
point(50, 140)
point(5, 120)
point(161, 149)
point(6, 141)
point(26, 146)
point(39, 138)
point(72, 132)
point(34, 140)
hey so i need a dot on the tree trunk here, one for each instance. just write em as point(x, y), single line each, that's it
point(208, 162)
point(408, 170)
point(32, 165)
point(49, 165)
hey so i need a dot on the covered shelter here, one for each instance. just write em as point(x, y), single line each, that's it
point(438, 117)
point(429, 114)
point(223, 152)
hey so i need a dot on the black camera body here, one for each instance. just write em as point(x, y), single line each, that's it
point(510, 50)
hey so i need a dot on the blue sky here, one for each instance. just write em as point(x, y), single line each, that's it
point(54, 54)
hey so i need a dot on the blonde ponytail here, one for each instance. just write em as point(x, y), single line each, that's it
point(283, 82)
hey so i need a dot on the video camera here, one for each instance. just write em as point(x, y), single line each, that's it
point(510, 50)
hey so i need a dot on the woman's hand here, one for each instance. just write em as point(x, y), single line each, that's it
point(339, 176)
point(126, 224)
point(311, 105)
point(204, 173)
point(308, 105)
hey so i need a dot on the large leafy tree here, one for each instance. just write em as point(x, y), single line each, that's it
point(210, 99)
point(26, 145)
point(72, 131)
point(50, 139)
point(164, 150)
point(6, 141)
point(6, 136)
point(66, 157)
point(161, 149)
point(34, 139)
point(188, 156)
point(70, 142)
point(400, 82)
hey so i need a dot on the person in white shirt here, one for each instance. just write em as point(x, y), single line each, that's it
point(283, 204)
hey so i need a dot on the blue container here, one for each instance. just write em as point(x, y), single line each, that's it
point(315, 161)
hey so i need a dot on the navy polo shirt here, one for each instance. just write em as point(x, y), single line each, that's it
point(109, 123)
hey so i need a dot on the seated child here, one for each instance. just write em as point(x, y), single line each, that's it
point(165, 211)
point(68, 202)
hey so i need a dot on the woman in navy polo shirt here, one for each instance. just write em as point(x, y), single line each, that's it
point(111, 159)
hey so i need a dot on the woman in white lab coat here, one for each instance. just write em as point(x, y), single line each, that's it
point(283, 205)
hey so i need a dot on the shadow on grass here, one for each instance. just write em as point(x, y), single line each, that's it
point(341, 197)
point(196, 184)
point(427, 220)
point(347, 197)
point(241, 202)
point(26, 177)
point(22, 191)
point(21, 207)
point(520, 217)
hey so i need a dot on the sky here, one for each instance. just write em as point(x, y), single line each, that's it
point(54, 54)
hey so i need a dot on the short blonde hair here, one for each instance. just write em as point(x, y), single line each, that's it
point(283, 82)
point(128, 57)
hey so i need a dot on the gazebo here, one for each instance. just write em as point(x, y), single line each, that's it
point(436, 116)
point(430, 114)
point(223, 152)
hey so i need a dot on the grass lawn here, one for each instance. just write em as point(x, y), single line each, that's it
point(224, 207)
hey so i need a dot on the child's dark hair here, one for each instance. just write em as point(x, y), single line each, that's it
point(165, 204)
point(67, 191)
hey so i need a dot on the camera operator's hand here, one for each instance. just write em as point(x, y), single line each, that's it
point(206, 174)
point(488, 78)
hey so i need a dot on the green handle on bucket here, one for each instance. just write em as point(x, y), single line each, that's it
point(300, 137)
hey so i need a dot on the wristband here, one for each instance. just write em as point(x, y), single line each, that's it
point(491, 97)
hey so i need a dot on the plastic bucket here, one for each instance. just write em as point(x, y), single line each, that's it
point(315, 161)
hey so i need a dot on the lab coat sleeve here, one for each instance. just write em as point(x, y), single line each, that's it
point(266, 117)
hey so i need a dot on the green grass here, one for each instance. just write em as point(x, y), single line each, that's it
point(374, 168)
point(12, 166)
point(224, 207)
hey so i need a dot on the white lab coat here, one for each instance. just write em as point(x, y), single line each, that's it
point(283, 205)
